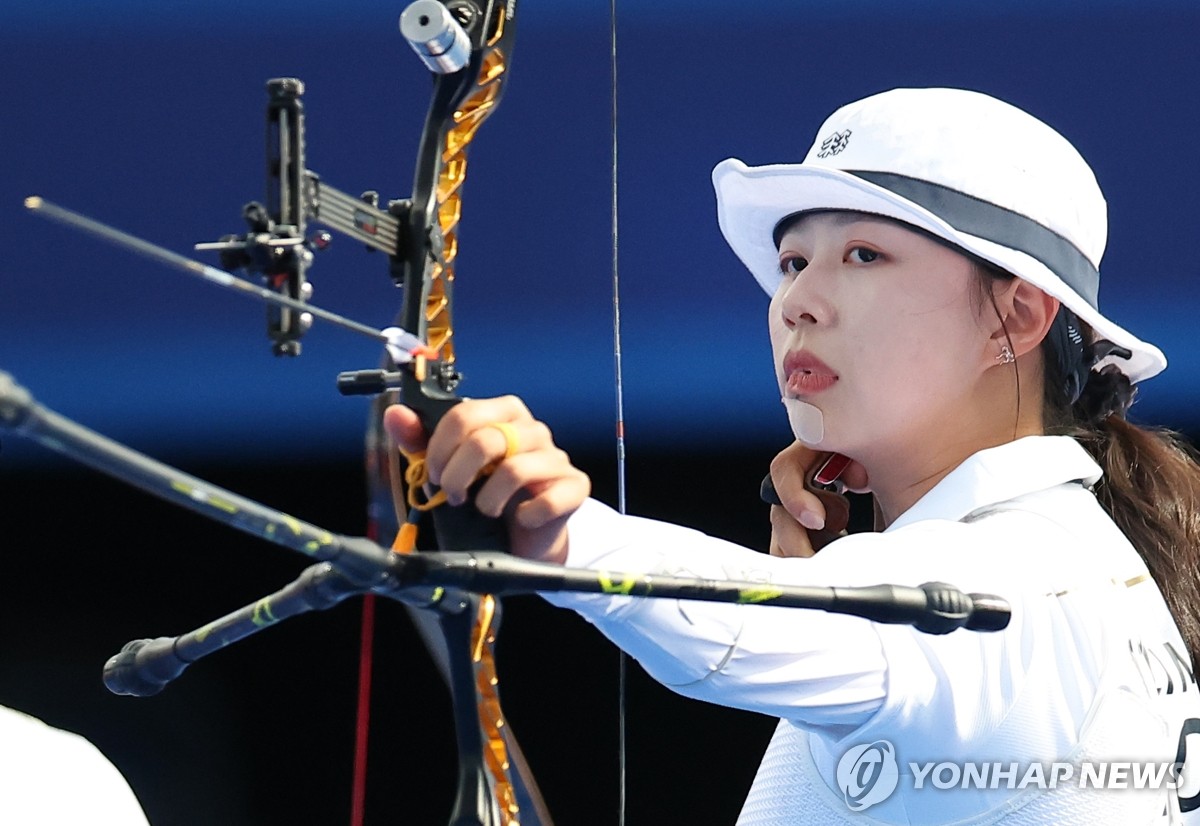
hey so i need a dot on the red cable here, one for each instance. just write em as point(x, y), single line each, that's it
point(363, 716)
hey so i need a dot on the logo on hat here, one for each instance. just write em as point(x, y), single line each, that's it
point(834, 144)
point(868, 774)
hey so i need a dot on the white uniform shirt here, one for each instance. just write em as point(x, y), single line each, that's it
point(50, 777)
point(1091, 671)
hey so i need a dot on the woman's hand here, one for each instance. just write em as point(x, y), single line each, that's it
point(534, 489)
point(808, 519)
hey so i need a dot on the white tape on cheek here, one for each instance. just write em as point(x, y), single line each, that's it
point(807, 422)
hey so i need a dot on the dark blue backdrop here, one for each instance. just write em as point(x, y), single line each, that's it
point(150, 118)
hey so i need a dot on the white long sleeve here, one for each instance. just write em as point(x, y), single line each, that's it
point(1080, 674)
point(777, 661)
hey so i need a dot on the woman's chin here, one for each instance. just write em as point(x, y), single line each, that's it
point(807, 421)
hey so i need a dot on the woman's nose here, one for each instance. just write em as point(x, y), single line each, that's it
point(801, 301)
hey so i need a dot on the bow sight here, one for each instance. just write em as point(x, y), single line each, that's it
point(275, 248)
point(413, 232)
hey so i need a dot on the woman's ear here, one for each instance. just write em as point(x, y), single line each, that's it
point(1025, 315)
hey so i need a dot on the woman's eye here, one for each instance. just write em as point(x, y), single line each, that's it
point(862, 255)
point(792, 264)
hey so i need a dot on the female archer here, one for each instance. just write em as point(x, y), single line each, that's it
point(933, 272)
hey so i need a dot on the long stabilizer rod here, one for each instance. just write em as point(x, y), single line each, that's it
point(358, 565)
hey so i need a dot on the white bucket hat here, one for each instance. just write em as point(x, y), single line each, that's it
point(968, 168)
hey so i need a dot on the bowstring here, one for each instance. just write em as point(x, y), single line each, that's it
point(620, 394)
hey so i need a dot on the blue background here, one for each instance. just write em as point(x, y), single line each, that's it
point(149, 116)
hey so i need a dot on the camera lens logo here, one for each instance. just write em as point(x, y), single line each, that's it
point(868, 774)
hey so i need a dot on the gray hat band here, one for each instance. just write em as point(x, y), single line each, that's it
point(998, 225)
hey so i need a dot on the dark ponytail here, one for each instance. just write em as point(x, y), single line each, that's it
point(1151, 483)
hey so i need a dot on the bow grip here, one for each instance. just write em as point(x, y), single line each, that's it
point(464, 528)
point(461, 527)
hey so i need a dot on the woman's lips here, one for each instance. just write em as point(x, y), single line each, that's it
point(806, 374)
point(805, 384)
